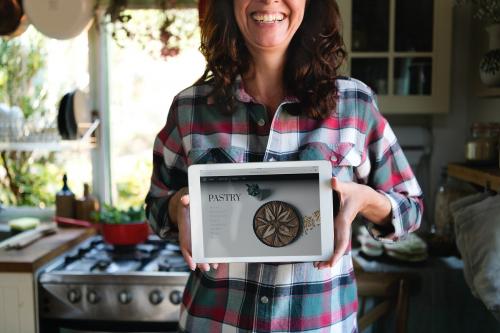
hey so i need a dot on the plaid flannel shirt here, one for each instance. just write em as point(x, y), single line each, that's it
point(290, 297)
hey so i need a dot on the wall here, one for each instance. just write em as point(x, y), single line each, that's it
point(449, 131)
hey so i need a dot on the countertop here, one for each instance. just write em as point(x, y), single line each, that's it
point(43, 250)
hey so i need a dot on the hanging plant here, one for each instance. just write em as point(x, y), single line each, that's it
point(487, 11)
point(124, 29)
point(166, 37)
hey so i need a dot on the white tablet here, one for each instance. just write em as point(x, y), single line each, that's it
point(261, 212)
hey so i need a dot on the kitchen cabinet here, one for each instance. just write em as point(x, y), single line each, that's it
point(17, 303)
point(402, 50)
point(18, 310)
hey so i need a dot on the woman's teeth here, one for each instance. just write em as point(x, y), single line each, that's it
point(268, 18)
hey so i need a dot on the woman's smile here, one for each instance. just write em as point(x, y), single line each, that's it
point(268, 24)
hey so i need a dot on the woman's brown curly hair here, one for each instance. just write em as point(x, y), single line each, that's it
point(313, 57)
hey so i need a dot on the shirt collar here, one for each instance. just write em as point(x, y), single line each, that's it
point(244, 97)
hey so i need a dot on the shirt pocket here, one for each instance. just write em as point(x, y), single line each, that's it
point(343, 156)
point(216, 155)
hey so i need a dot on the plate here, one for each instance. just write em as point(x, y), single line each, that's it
point(61, 117)
point(71, 127)
point(81, 111)
point(60, 19)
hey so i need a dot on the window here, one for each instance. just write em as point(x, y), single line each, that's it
point(401, 49)
point(35, 72)
point(142, 86)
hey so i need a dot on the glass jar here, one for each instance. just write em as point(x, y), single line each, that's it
point(481, 147)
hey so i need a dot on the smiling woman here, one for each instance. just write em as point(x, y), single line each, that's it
point(271, 92)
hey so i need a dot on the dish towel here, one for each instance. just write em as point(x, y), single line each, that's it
point(477, 231)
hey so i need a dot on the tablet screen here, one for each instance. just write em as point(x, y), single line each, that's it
point(264, 212)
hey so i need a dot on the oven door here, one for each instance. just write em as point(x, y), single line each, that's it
point(93, 326)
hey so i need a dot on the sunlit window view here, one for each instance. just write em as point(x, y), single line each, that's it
point(35, 72)
point(142, 86)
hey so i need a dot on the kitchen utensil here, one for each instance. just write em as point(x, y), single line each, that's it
point(81, 107)
point(125, 233)
point(21, 27)
point(69, 113)
point(65, 200)
point(86, 206)
point(60, 19)
point(26, 238)
point(80, 117)
point(61, 117)
point(69, 222)
point(11, 13)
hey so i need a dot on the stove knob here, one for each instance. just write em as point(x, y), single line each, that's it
point(156, 297)
point(175, 297)
point(92, 297)
point(74, 295)
point(124, 297)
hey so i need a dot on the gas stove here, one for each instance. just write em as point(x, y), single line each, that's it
point(99, 283)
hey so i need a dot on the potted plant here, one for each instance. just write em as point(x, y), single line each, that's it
point(122, 27)
point(123, 226)
point(488, 12)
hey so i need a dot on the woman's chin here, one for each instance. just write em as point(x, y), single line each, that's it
point(271, 44)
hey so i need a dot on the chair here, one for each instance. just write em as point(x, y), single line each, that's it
point(394, 291)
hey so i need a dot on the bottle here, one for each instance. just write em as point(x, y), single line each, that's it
point(449, 190)
point(65, 200)
point(85, 206)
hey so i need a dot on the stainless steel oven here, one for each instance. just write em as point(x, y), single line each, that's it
point(97, 287)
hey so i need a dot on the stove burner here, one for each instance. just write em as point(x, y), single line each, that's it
point(102, 265)
point(99, 257)
point(172, 264)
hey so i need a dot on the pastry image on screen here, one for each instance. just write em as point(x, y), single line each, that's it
point(276, 224)
point(260, 215)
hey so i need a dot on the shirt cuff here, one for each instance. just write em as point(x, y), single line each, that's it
point(159, 220)
point(391, 232)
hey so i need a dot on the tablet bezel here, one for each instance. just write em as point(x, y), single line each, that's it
point(220, 169)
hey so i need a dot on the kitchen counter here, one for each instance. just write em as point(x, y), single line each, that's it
point(43, 250)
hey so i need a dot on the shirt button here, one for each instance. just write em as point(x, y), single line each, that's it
point(333, 158)
point(261, 122)
point(264, 300)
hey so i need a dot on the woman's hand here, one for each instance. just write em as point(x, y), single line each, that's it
point(184, 226)
point(351, 202)
point(354, 198)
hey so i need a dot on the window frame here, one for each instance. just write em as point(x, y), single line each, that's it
point(439, 100)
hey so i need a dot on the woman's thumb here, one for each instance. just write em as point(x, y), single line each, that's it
point(185, 199)
point(336, 184)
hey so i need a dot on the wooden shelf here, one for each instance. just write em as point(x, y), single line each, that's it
point(489, 92)
point(488, 177)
